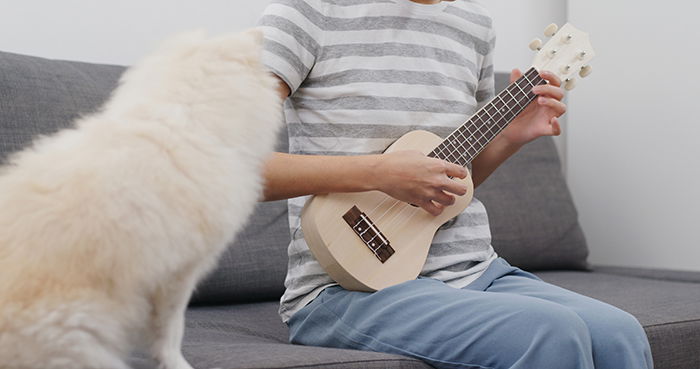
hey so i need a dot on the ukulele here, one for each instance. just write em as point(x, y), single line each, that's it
point(367, 241)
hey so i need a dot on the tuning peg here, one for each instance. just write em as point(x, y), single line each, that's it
point(569, 83)
point(536, 44)
point(551, 30)
point(581, 55)
point(585, 71)
point(567, 38)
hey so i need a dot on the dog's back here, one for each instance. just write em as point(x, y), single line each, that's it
point(103, 223)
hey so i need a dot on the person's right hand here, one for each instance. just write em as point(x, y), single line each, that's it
point(412, 177)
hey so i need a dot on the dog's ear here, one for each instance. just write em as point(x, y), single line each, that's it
point(256, 34)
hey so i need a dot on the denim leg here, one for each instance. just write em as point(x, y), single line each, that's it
point(618, 340)
point(448, 327)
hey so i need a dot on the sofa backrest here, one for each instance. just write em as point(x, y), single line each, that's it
point(533, 219)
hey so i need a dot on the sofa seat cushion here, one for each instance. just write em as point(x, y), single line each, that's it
point(669, 308)
point(253, 336)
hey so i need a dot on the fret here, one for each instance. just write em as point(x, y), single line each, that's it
point(467, 141)
point(452, 157)
point(517, 84)
point(495, 112)
point(442, 153)
point(502, 109)
point(512, 97)
point(461, 143)
point(471, 150)
point(483, 140)
point(491, 120)
point(471, 132)
point(459, 148)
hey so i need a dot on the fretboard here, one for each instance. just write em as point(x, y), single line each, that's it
point(467, 141)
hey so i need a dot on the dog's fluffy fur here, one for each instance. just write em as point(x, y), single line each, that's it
point(106, 228)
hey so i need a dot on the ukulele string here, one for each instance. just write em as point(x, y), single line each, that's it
point(396, 202)
point(415, 210)
point(371, 212)
point(398, 217)
point(370, 215)
point(402, 222)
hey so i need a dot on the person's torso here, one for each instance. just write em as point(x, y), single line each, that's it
point(386, 68)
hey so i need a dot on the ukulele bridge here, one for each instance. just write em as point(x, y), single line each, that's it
point(369, 233)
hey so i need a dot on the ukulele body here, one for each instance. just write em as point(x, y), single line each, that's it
point(347, 257)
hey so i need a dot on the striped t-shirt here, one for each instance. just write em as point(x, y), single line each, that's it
point(364, 72)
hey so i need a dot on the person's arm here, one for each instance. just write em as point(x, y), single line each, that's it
point(537, 120)
point(409, 176)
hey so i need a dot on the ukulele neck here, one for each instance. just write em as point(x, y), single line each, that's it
point(467, 141)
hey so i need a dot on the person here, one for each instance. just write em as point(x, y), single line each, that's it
point(356, 75)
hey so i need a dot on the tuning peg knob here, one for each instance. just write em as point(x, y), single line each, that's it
point(585, 71)
point(536, 44)
point(551, 30)
point(570, 84)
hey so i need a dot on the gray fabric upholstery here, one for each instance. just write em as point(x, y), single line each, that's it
point(525, 193)
point(522, 196)
point(529, 190)
point(660, 274)
point(254, 266)
point(40, 96)
point(668, 310)
point(253, 336)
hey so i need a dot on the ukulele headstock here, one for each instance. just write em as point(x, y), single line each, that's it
point(566, 54)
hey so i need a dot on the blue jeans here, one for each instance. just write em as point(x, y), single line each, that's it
point(507, 318)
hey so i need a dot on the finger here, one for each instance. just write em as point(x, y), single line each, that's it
point(455, 170)
point(443, 199)
point(431, 208)
point(556, 127)
point(515, 74)
point(551, 129)
point(558, 107)
point(549, 91)
point(454, 187)
point(551, 78)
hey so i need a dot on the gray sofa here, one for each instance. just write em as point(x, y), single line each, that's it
point(233, 321)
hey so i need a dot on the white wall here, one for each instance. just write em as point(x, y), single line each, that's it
point(634, 133)
point(517, 23)
point(120, 32)
point(631, 131)
point(117, 32)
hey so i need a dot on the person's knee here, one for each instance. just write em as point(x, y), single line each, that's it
point(555, 337)
point(622, 332)
point(563, 327)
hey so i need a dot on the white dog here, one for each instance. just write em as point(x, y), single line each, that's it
point(105, 229)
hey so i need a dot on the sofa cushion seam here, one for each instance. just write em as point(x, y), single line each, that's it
point(672, 323)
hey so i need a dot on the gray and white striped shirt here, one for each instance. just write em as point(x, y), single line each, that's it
point(364, 72)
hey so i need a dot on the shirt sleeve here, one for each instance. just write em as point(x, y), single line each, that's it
point(486, 88)
point(293, 30)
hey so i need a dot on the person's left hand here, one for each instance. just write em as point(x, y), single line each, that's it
point(540, 118)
